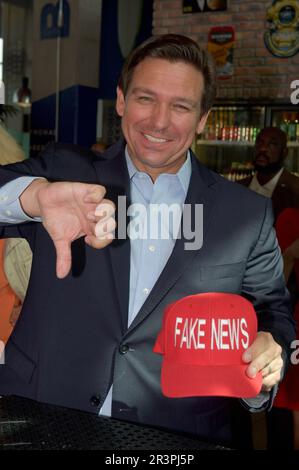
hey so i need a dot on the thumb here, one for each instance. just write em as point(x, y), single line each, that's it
point(63, 258)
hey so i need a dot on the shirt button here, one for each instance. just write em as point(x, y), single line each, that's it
point(8, 212)
point(152, 248)
point(124, 348)
point(145, 291)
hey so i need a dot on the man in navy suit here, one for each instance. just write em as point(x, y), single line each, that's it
point(91, 316)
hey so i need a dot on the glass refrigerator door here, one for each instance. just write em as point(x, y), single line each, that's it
point(286, 119)
point(226, 144)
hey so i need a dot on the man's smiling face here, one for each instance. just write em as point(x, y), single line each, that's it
point(161, 114)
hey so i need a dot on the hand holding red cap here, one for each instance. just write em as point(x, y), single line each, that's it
point(264, 355)
point(203, 339)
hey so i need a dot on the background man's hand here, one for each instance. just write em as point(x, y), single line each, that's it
point(70, 211)
point(264, 355)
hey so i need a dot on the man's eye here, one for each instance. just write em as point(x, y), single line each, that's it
point(181, 107)
point(144, 99)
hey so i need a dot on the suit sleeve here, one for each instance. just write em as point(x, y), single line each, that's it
point(32, 167)
point(264, 285)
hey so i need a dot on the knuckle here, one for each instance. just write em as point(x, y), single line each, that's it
point(104, 209)
point(268, 336)
point(268, 383)
point(112, 224)
point(111, 206)
point(279, 349)
point(103, 190)
point(268, 358)
point(280, 365)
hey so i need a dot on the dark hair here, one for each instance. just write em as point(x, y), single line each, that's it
point(277, 132)
point(174, 48)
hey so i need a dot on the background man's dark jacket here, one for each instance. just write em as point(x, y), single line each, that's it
point(285, 194)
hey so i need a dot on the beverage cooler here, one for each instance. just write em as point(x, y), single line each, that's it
point(287, 118)
point(227, 143)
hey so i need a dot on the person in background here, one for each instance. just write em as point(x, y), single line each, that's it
point(15, 255)
point(17, 267)
point(271, 179)
point(100, 146)
point(287, 230)
point(9, 303)
point(10, 151)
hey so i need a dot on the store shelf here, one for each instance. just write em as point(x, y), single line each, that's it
point(231, 130)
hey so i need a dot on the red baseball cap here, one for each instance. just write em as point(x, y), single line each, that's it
point(202, 339)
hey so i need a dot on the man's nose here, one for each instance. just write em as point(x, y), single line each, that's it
point(161, 116)
point(261, 146)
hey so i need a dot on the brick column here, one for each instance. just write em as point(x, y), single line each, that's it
point(257, 73)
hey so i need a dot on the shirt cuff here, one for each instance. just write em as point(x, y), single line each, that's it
point(11, 211)
point(257, 402)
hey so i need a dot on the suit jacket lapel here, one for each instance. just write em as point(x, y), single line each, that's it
point(200, 191)
point(113, 174)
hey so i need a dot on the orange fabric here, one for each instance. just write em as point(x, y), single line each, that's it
point(287, 229)
point(7, 300)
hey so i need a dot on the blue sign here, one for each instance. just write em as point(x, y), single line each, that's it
point(111, 54)
point(49, 21)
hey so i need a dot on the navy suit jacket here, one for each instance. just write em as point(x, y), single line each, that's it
point(67, 347)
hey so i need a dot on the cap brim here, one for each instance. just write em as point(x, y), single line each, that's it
point(184, 380)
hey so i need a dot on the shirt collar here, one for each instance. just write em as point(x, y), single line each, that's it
point(271, 184)
point(184, 173)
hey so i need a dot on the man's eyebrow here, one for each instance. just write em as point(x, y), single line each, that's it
point(139, 89)
point(181, 99)
point(272, 140)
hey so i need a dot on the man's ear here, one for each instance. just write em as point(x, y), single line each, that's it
point(202, 122)
point(120, 102)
